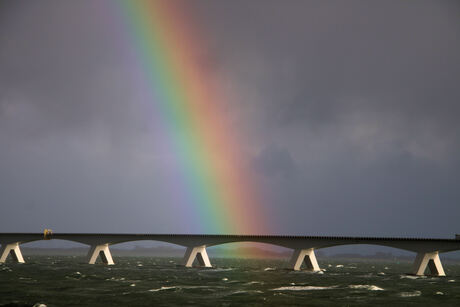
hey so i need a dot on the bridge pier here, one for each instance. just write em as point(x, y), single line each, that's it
point(431, 260)
point(101, 250)
point(307, 256)
point(198, 252)
point(13, 250)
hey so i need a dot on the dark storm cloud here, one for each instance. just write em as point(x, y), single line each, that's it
point(321, 64)
point(274, 161)
point(70, 128)
point(362, 97)
point(60, 65)
point(348, 110)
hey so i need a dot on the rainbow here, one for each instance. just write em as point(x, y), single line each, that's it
point(222, 196)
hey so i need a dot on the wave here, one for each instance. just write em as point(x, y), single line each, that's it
point(163, 289)
point(116, 279)
point(411, 277)
point(366, 287)
point(217, 270)
point(243, 292)
point(303, 288)
point(410, 294)
point(312, 288)
point(253, 282)
point(166, 288)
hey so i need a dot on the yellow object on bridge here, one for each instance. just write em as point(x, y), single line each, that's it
point(47, 234)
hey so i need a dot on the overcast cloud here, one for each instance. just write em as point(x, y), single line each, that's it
point(348, 110)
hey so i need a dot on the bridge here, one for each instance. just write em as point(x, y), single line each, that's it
point(427, 249)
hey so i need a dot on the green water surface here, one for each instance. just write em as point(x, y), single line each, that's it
point(148, 281)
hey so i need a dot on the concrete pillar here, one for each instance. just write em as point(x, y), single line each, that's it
point(307, 256)
point(198, 252)
point(431, 260)
point(100, 250)
point(13, 250)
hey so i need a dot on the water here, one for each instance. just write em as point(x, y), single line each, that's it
point(146, 281)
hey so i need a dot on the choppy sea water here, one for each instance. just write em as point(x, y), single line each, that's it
point(145, 281)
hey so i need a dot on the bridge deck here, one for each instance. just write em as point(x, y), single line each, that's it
point(289, 241)
point(427, 249)
point(231, 236)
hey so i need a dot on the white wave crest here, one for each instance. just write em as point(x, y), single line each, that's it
point(217, 270)
point(411, 277)
point(410, 294)
point(366, 287)
point(162, 289)
point(253, 282)
point(303, 288)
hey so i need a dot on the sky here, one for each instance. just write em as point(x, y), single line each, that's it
point(348, 112)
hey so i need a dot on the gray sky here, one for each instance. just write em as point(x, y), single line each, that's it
point(349, 112)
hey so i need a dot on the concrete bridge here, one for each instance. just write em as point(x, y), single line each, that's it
point(427, 249)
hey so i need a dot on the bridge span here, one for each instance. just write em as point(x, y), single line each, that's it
point(427, 249)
